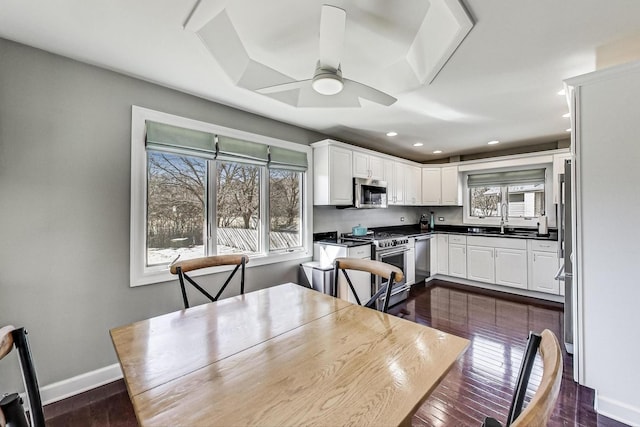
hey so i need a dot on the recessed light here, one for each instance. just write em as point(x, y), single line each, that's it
point(562, 92)
point(569, 130)
point(418, 144)
point(392, 133)
point(566, 115)
point(494, 142)
point(437, 152)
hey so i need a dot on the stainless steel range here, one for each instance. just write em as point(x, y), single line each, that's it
point(393, 249)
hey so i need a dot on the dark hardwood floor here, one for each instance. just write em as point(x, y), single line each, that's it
point(480, 384)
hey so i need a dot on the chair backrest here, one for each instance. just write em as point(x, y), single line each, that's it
point(182, 267)
point(10, 336)
point(539, 409)
point(378, 268)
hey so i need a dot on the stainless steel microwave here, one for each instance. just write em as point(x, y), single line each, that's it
point(369, 193)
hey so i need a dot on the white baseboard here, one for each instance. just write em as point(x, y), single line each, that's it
point(617, 410)
point(80, 383)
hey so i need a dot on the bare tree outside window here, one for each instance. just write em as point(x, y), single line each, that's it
point(285, 209)
point(485, 201)
point(175, 207)
point(237, 207)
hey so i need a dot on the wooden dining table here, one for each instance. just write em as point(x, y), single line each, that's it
point(280, 356)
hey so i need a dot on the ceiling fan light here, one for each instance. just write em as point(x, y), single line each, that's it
point(327, 84)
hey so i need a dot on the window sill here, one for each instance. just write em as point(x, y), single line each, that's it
point(163, 276)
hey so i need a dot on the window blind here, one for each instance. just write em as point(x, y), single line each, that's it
point(497, 179)
point(180, 140)
point(282, 158)
point(238, 150)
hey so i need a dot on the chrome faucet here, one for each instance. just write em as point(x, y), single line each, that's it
point(504, 217)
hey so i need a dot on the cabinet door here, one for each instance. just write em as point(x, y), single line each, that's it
point(458, 260)
point(389, 177)
point(450, 185)
point(398, 177)
point(360, 165)
point(443, 253)
point(511, 267)
point(411, 267)
point(412, 184)
point(544, 266)
point(431, 186)
point(341, 183)
point(480, 264)
point(376, 167)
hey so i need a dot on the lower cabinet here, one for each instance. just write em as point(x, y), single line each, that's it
point(410, 274)
point(543, 265)
point(443, 254)
point(361, 279)
point(501, 261)
point(457, 256)
point(511, 267)
point(516, 263)
point(480, 264)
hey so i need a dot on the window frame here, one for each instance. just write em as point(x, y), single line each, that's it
point(511, 221)
point(140, 274)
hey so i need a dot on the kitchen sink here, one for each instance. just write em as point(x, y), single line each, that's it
point(482, 231)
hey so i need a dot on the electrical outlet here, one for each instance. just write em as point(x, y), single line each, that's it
point(440, 218)
point(401, 219)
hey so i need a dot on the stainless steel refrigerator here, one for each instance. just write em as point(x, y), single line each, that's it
point(565, 234)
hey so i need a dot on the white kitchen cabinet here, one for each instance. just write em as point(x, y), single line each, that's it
point(443, 253)
point(480, 264)
point(398, 179)
point(361, 280)
point(502, 261)
point(410, 274)
point(367, 166)
point(332, 175)
point(543, 265)
point(434, 255)
point(457, 256)
point(450, 186)
point(511, 267)
point(412, 185)
point(431, 186)
point(558, 168)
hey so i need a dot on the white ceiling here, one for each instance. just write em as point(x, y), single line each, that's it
point(501, 82)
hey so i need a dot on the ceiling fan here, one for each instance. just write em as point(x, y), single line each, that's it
point(328, 88)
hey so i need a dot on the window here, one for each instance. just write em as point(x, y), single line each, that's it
point(516, 194)
point(200, 189)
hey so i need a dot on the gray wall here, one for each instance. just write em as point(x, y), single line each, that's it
point(328, 218)
point(64, 206)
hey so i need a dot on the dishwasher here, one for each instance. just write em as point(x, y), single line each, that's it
point(423, 258)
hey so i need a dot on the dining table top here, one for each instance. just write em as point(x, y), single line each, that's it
point(284, 355)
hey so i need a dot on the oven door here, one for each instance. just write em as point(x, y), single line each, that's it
point(398, 258)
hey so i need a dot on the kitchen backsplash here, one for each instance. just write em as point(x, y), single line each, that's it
point(328, 218)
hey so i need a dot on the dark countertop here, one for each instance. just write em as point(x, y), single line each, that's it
point(340, 242)
point(413, 230)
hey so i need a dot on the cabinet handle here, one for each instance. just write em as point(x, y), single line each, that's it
point(534, 257)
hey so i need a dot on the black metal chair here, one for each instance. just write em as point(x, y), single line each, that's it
point(391, 272)
point(539, 409)
point(11, 408)
point(182, 267)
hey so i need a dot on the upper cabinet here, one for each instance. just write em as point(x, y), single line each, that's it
point(431, 186)
point(440, 186)
point(412, 185)
point(332, 175)
point(450, 186)
point(367, 166)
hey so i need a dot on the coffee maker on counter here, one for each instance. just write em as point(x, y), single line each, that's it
point(426, 222)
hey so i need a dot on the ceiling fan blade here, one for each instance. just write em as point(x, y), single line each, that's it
point(332, 24)
point(367, 92)
point(284, 87)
